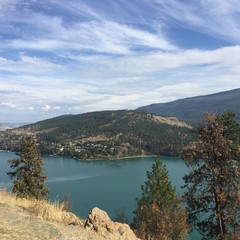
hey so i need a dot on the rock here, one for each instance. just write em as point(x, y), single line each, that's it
point(71, 219)
point(99, 221)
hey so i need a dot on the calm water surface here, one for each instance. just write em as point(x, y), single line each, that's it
point(109, 185)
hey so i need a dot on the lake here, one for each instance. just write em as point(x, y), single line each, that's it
point(108, 184)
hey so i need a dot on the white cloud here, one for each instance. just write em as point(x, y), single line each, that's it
point(114, 81)
point(76, 8)
point(132, 67)
point(86, 56)
point(99, 33)
point(27, 64)
point(16, 106)
point(101, 37)
point(8, 104)
point(218, 18)
point(46, 108)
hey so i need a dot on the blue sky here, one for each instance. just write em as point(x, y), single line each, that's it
point(68, 57)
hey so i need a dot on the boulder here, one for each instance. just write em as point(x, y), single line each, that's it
point(99, 221)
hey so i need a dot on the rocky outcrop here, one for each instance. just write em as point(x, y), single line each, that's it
point(99, 221)
point(39, 220)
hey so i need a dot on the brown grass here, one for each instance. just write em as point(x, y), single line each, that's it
point(43, 209)
point(171, 121)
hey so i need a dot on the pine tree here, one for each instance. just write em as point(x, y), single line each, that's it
point(214, 183)
point(28, 171)
point(159, 214)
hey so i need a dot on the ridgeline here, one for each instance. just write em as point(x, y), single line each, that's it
point(192, 110)
point(104, 135)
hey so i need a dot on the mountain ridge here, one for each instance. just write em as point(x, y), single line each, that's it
point(191, 110)
point(104, 134)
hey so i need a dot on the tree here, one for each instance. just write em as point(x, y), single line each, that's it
point(159, 214)
point(28, 171)
point(213, 184)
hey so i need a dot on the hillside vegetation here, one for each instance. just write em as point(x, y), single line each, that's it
point(105, 134)
point(24, 219)
point(191, 110)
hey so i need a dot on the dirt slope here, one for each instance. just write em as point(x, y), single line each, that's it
point(17, 224)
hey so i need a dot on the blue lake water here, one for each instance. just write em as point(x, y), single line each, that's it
point(109, 185)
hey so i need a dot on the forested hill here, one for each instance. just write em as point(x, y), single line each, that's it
point(191, 110)
point(105, 134)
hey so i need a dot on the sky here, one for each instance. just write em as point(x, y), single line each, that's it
point(70, 57)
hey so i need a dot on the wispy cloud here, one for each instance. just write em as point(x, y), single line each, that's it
point(54, 33)
point(27, 64)
point(100, 37)
point(58, 57)
point(218, 18)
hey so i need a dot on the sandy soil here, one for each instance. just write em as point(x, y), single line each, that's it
point(17, 224)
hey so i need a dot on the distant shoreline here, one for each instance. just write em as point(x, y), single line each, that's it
point(120, 158)
point(96, 159)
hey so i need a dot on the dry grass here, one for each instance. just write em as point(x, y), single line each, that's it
point(43, 209)
point(171, 121)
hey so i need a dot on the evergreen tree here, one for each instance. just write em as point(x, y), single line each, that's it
point(159, 214)
point(28, 171)
point(214, 183)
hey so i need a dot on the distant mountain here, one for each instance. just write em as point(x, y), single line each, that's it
point(4, 126)
point(191, 110)
point(106, 134)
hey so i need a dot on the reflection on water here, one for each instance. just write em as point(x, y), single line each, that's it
point(67, 178)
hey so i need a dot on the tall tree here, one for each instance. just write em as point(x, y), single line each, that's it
point(214, 183)
point(29, 180)
point(159, 214)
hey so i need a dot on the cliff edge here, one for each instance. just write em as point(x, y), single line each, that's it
point(22, 219)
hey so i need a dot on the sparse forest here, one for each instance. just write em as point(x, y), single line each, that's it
point(211, 187)
point(107, 134)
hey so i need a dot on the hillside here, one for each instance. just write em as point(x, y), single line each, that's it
point(5, 126)
point(25, 219)
point(105, 134)
point(191, 110)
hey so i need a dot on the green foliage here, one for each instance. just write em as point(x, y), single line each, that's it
point(213, 184)
point(29, 180)
point(159, 214)
point(106, 134)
